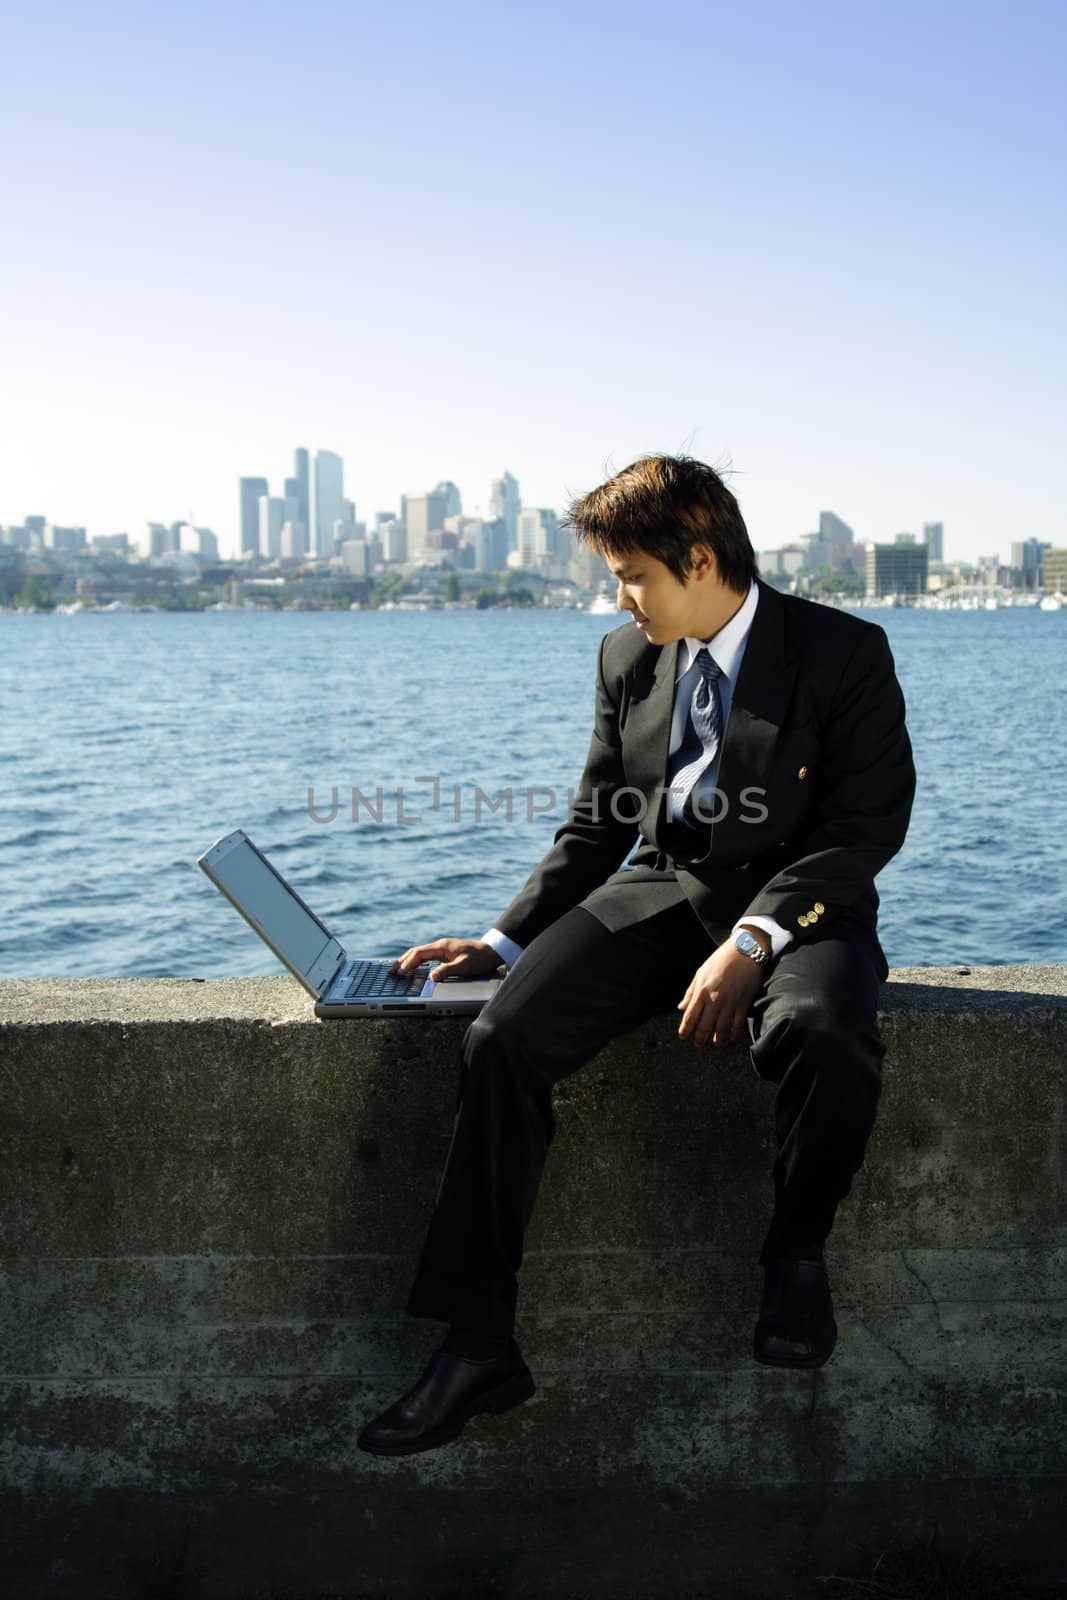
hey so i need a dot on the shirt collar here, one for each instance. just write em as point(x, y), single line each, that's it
point(728, 645)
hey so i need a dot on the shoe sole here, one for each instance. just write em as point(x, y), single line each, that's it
point(805, 1364)
point(515, 1392)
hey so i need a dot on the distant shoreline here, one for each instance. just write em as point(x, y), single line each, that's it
point(1043, 604)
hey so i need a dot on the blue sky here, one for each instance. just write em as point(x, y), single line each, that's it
point(823, 242)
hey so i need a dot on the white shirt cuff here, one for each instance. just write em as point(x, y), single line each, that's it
point(779, 936)
point(508, 951)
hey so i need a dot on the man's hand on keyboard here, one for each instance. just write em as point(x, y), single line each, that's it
point(459, 958)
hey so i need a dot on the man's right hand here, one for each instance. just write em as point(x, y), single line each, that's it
point(459, 958)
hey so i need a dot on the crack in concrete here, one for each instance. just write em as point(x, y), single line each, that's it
point(926, 1289)
point(885, 1343)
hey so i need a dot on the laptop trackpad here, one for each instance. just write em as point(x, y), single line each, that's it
point(461, 989)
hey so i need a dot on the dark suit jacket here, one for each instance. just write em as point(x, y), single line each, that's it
point(815, 773)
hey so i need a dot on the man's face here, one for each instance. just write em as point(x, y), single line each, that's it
point(663, 608)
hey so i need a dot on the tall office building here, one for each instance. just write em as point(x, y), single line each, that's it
point(900, 568)
point(155, 539)
point(32, 536)
point(471, 534)
point(832, 527)
point(270, 527)
point(934, 539)
point(1054, 567)
point(346, 527)
point(355, 555)
point(840, 538)
point(293, 540)
point(196, 542)
point(274, 512)
point(816, 551)
point(1027, 561)
point(1026, 554)
point(299, 486)
point(424, 514)
point(394, 540)
point(56, 538)
point(538, 532)
point(252, 490)
point(505, 505)
point(327, 495)
point(452, 496)
point(586, 568)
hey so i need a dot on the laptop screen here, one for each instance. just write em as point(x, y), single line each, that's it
point(273, 908)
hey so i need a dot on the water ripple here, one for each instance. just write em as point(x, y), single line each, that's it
point(106, 804)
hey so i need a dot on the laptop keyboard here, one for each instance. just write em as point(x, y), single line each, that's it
point(372, 980)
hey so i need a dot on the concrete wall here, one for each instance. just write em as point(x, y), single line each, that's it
point(210, 1209)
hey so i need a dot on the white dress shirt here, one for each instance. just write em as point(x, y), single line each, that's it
point(727, 649)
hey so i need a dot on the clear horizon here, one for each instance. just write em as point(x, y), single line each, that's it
point(824, 247)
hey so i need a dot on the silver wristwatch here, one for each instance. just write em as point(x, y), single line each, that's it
point(749, 946)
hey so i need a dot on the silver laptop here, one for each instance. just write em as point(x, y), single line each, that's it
point(341, 986)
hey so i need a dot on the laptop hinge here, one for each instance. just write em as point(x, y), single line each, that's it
point(336, 974)
point(324, 969)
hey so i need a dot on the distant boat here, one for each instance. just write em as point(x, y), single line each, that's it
point(1052, 602)
point(602, 606)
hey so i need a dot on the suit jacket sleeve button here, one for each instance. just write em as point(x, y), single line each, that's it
point(802, 920)
point(802, 773)
point(819, 908)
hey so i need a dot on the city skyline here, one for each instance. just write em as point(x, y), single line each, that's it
point(264, 518)
point(963, 544)
point(804, 244)
point(309, 540)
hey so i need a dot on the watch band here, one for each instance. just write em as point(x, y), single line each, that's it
point(749, 946)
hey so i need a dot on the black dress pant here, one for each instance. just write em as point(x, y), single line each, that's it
point(577, 986)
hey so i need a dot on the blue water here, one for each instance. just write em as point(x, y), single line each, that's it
point(129, 742)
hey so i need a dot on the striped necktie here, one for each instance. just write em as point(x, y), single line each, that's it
point(702, 736)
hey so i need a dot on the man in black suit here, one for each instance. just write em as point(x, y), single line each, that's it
point(752, 746)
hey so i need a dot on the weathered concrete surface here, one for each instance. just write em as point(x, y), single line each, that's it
point(210, 1207)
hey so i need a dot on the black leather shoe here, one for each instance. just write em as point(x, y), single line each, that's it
point(450, 1392)
point(796, 1326)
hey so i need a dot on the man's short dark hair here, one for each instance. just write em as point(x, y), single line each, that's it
point(664, 505)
